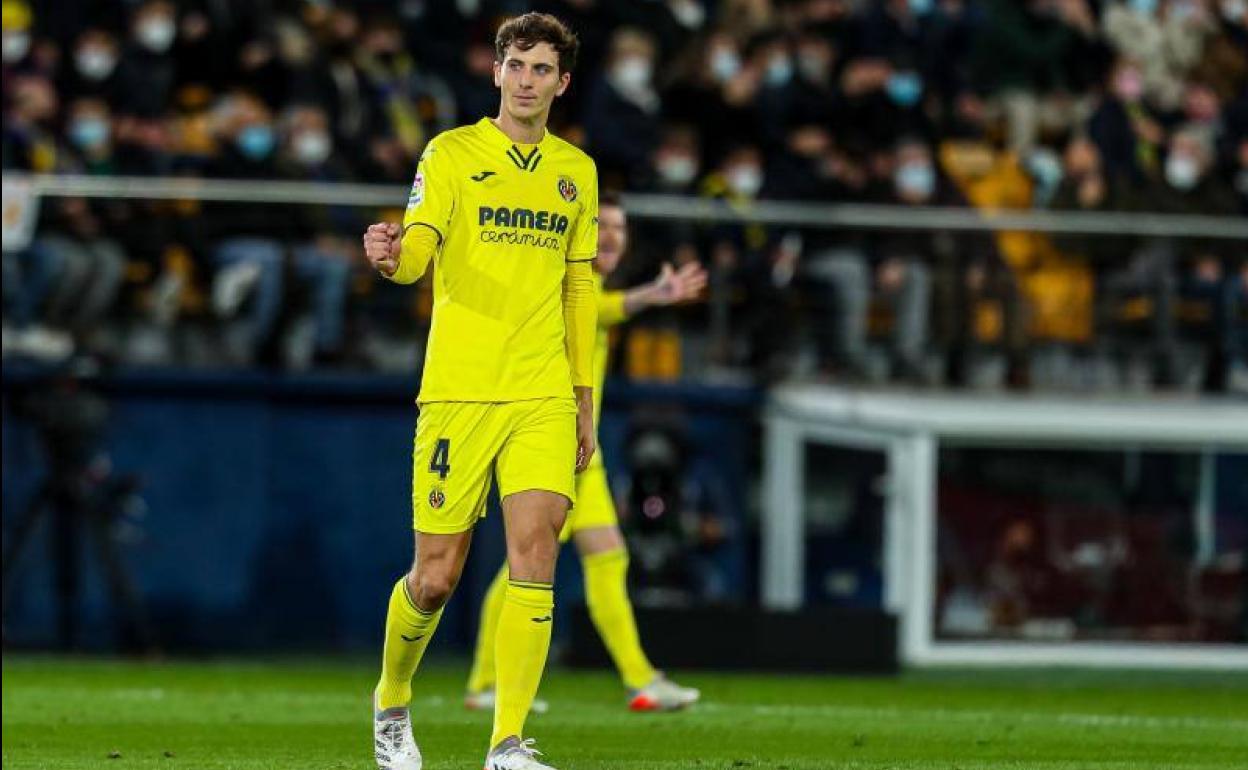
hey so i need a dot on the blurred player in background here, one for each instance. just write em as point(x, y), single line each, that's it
point(593, 523)
point(508, 213)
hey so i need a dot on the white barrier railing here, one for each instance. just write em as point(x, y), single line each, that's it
point(664, 207)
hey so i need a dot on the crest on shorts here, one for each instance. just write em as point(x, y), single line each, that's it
point(567, 188)
point(436, 498)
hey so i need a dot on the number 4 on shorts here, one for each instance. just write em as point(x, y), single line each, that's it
point(441, 461)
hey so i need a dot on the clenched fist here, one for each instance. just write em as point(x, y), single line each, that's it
point(382, 243)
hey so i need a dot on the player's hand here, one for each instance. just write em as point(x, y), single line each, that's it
point(586, 441)
point(382, 243)
point(681, 285)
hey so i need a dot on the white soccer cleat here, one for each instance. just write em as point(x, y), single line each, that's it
point(483, 700)
point(663, 694)
point(393, 745)
point(515, 754)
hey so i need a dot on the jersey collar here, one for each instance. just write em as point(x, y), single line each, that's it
point(503, 141)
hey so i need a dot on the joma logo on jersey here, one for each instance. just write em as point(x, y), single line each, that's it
point(524, 219)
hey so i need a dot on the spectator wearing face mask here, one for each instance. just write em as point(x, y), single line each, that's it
point(248, 255)
point(92, 71)
point(1160, 268)
point(924, 40)
point(884, 86)
point(79, 234)
point(622, 114)
point(321, 259)
point(1209, 271)
point(713, 91)
point(675, 169)
point(145, 78)
point(771, 55)
point(900, 268)
point(18, 40)
point(750, 270)
point(89, 132)
point(676, 161)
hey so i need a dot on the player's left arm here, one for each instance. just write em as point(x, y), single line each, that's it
point(580, 316)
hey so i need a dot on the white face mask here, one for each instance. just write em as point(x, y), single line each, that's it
point(95, 63)
point(678, 170)
point(16, 46)
point(312, 147)
point(156, 33)
point(745, 181)
point(725, 65)
point(1182, 172)
point(632, 73)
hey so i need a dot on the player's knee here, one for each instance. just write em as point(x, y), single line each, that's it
point(532, 556)
point(432, 589)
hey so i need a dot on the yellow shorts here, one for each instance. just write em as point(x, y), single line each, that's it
point(461, 444)
point(595, 507)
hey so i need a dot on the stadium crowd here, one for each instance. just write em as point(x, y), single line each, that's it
point(1088, 105)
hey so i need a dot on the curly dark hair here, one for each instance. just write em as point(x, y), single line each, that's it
point(528, 30)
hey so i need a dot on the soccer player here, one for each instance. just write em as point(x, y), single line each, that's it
point(593, 524)
point(508, 214)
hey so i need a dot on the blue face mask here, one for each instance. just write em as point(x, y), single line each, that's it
point(1046, 169)
point(1143, 7)
point(921, 7)
point(904, 88)
point(779, 71)
point(916, 180)
point(88, 133)
point(256, 142)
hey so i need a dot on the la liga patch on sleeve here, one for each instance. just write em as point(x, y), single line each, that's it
point(417, 195)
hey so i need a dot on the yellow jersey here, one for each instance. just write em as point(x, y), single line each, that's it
point(508, 218)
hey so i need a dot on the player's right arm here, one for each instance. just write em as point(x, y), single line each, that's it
point(403, 253)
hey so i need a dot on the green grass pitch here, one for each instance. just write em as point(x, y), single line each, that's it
point(61, 714)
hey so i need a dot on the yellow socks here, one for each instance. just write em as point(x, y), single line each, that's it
point(606, 593)
point(408, 631)
point(521, 643)
point(482, 676)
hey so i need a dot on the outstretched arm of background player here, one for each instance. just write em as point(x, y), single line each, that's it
point(580, 319)
point(670, 287)
point(400, 255)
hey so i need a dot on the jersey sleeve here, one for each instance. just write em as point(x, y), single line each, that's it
point(432, 199)
point(584, 243)
point(611, 309)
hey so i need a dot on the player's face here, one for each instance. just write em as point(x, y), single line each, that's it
point(530, 80)
point(612, 238)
